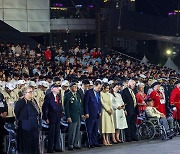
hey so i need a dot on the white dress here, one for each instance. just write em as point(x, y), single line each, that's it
point(119, 115)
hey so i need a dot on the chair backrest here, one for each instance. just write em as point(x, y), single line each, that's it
point(10, 127)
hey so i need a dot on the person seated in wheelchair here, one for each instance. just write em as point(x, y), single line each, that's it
point(152, 112)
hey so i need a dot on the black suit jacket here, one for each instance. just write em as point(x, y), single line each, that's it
point(129, 103)
point(81, 93)
point(51, 109)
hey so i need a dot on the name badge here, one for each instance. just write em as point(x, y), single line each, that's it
point(1, 104)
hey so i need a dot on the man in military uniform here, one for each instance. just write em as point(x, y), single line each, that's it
point(3, 114)
point(64, 88)
point(20, 84)
point(10, 99)
point(40, 93)
point(74, 113)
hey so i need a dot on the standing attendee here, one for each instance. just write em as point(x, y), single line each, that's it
point(28, 116)
point(48, 54)
point(92, 109)
point(10, 98)
point(83, 89)
point(119, 112)
point(141, 97)
point(131, 107)
point(107, 121)
point(3, 114)
point(73, 113)
point(175, 100)
point(64, 89)
point(157, 96)
point(52, 113)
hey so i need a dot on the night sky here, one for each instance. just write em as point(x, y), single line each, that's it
point(152, 7)
point(156, 7)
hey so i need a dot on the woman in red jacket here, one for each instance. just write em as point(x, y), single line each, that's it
point(141, 97)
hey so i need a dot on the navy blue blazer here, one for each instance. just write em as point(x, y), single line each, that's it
point(51, 109)
point(91, 106)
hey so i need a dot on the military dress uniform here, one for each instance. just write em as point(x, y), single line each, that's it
point(39, 97)
point(10, 100)
point(73, 110)
point(3, 108)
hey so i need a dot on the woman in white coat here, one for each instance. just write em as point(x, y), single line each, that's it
point(119, 112)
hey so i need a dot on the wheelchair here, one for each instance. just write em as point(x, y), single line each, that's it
point(149, 128)
point(12, 143)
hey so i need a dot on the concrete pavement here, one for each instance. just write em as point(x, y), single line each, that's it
point(142, 147)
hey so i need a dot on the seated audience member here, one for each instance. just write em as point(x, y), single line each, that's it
point(152, 112)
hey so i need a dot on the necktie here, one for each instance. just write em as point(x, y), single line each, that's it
point(75, 96)
point(133, 97)
point(97, 97)
point(57, 99)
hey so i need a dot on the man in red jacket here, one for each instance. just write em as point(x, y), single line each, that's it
point(175, 100)
point(48, 54)
point(157, 96)
point(159, 102)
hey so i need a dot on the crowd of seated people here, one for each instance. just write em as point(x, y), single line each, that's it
point(106, 91)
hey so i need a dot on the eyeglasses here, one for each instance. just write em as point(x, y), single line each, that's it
point(29, 92)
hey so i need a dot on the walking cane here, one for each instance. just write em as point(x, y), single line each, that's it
point(87, 134)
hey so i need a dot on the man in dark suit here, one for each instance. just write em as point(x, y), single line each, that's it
point(131, 107)
point(83, 89)
point(3, 114)
point(92, 109)
point(73, 113)
point(52, 113)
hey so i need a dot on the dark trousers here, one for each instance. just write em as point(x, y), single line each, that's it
point(54, 137)
point(92, 128)
point(74, 134)
point(30, 142)
point(2, 132)
point(131, 130)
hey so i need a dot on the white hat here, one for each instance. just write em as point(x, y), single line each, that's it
point(21, 82)
point(32, 83)
point(99, 80)
point(91, 83)
point(111, 82)
point(65, 83)
point(105, 80)
point(10, 86)
point(142, 76)
point(45, 84)
point(39, 83)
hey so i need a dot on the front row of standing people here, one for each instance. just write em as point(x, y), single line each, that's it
point(102, 107)
point(102, 111)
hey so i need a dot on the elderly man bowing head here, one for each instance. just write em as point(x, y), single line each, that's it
point(74, 114)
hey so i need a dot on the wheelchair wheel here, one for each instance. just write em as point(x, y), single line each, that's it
point(163, 133)
point(146, 130)
point(176, 128)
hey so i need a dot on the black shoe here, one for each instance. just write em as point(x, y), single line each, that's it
point(128, 140)
point(77, 148)
point(115, 142)
point(71, 149)
point(170, 134)
point(58, 150)
point(50, 151)
point(135, 139)
point(91, 146)
point(97, 145)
